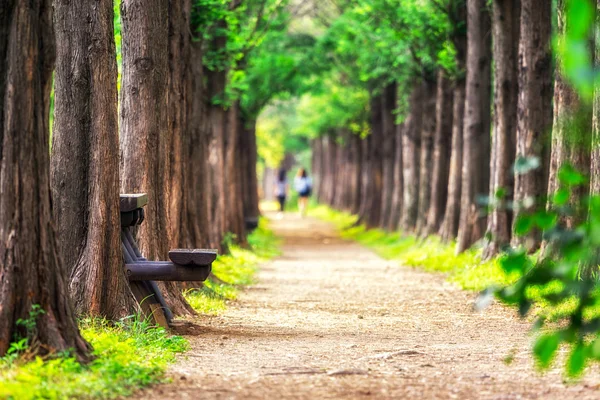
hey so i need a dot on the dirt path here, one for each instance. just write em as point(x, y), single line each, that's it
point(330, 319)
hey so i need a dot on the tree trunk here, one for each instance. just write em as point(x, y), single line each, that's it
point(234, 212)
point(441, 154)
point(411, 148)
point(571, 136)
point(177, 117)
point(85, 159)
point(196, 180)
point(476, 139)
point(449, 227)
point(534, 115)
point(506, 38)
point(317, 167)
point(249, 177)
point(389, 152)
point(372, 172)
point(356, 177)
point(31, 273)
point(396, 212)
point(427, 138)
point(145, 137)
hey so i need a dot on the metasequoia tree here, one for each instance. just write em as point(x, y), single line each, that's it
point(441, 154)
point(505, 28)
point(389, 152)
point(85, 159)
point(31, 273)
point(411, 149)
point(426, 156)
point(571, 133)
point(534, 116)
point(449, 227)
point(476, 138)
point(144, 130)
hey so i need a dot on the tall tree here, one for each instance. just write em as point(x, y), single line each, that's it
point(389, 152)
point(426, 156)
point(476, 139)
point(145, 136)
point(571, 132)
point(31, 272)
point(398, 188)
point(534, 116)
point(441, 154)
point(458, 15)
point(411, 149)
point(85, 158)
point(505, 28)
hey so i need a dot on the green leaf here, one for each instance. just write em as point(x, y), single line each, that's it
point(577, 360)
point(545, 219)
point(569, 176)
point(523, 225)
point(545, 348)
point(561, 197)
point(515, 261)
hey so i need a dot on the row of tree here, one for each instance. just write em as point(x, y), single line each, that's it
point(178, 125)
point(463, 140)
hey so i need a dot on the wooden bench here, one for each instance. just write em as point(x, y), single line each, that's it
point(185, 264)
point(251, 224)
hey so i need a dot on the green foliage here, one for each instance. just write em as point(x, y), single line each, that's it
point(234, 270)
point(563, 281)
point(128, 355)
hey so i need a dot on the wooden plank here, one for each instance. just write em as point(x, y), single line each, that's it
point(165, 271)
point(193, 256)
point(130, 202)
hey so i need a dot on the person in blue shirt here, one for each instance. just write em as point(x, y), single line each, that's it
point(303, 185)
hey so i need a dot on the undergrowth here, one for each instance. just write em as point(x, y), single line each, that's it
point(234, 270)
point(127, 355)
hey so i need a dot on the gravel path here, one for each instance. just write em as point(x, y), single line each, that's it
point(330, 319)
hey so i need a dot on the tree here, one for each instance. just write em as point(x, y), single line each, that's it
point(534, 116)
point(441, 154)
point(505, 27)
point(411, 146)
point(85, 175)
point(33, 280)
point(476, 139)
point(389, 152)
point(145, 136)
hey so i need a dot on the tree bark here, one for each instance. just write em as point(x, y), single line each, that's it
point(505, 26)
point(145, 137)
point(571, 136)
point(449, 227)
point(31, 272)
point(427, 138)
point(234, 212)
point(476, 139)
point(534, 115)
point(389, 152)
point(85, 159)
point(372, 172)
point(197, 204)
point(441, 154)
point(249, 177)
point(411, 148)
point(396, 212)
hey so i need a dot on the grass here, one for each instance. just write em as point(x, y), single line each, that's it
point(234, 271)
point(128, 355)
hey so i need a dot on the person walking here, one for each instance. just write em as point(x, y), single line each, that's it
point(281, 190)
point(303, 185)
